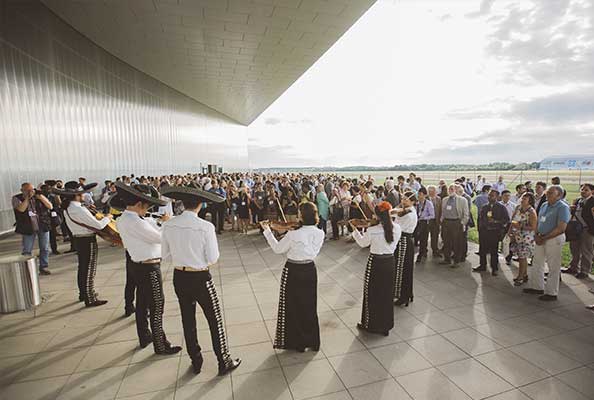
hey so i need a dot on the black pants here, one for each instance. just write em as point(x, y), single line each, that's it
point(150, 301)
point(434, 233)
point(322, 224)
point(130, 287)
point(422, 237)
point(87, 267)
point(453, 235)
point(197, 286)
point(219, 210)
point(53, 239)
point(489, 245)
point(377, 313)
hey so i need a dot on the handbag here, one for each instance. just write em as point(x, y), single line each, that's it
point(574, 230)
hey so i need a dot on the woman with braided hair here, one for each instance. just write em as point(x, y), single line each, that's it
point(382, 236)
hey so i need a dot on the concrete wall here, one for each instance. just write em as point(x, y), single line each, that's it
point(68, 109)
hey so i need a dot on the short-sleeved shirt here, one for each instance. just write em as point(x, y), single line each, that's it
point(32, 210)
point(550, 215)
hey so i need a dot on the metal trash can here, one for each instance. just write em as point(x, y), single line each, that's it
point(19, 284)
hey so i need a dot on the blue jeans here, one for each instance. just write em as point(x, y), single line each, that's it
point(29, 242)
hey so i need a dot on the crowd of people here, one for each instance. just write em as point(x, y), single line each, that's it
point(177, 218)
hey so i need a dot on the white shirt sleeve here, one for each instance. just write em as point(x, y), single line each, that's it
point(363, 240)
point(211, 246)
point(165, 252)
point(148, 232)
point(85, 217)
point(278, 247)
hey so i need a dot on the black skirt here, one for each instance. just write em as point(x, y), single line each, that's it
point(377, 315)
point(297, 324)
point(403, 278)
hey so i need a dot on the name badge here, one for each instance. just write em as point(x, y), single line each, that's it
point(449, 208)
point(243, 203)
point(271, 202)
point(490, 214)
point(32, 214)
point(54, 214)
point(543, 218)
point(259, 197)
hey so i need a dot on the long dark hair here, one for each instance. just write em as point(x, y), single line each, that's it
point(387, 224)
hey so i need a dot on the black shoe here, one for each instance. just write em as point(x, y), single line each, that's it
point(146, 341)
point(547, 297)
point(581, 275)
point(533, 291)
point(169, 350)
point(44, 271)
point(569, 270)
point(96, 303)
point(401, 302)
point(480, 268)
point(197, 362)
point(494, 272)
point(129, 310)
point(229, 366)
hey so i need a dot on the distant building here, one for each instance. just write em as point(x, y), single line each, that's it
point(568, 162)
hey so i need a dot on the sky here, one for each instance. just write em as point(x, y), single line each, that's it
point(441, 81)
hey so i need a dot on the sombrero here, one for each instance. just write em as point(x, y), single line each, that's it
point(50, 182)
point(116, 202)
point(191, 191)
point(72, 188)
point(134, 193)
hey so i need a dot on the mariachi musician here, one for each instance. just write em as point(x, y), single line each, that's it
point(83, 226)
point(142, 239)
point(190, 243)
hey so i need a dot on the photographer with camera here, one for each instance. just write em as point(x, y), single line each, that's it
point(33, 218)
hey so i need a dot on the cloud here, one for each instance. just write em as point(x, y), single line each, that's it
point(484, 9)
point(549, 42)
point(277, 121)
point(573, 107)
point(516, 144)
point(277, 156)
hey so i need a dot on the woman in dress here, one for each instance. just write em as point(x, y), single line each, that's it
point(297, 326)
point(243, 204)
point(406, 217)
point(377, 315)
point(521, 232)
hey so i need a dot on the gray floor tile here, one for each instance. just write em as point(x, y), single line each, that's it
point(100, 384)
point(546, 357)
point(512, 367)
point(219, 389)
point(50, 364)
point(431, 384)
point(400, 359)
point(312, 379)
point(34, 390)
point(356, 369)
point(581, 379)
point(471, 342)
point(149, 377)
point(552, 389)
point(266, 385)
point(437, 350)
point(383, 390)
point(475, 379)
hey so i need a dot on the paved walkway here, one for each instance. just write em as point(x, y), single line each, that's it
point(465, 336)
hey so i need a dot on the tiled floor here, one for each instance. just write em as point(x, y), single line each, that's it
point(466, 336)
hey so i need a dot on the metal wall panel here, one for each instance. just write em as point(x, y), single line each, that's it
point(68, 109)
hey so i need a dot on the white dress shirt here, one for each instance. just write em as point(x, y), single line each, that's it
point(510, 206)
point(141, 236)
point(408, 222)
point(189, 241)
point(78, 213)
point(300, 245)
point(374, 236)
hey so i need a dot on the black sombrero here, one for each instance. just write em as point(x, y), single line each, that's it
point(191, 191)
point(134, 193)
point(116, 202)
point(72, 188)
point(50, 182)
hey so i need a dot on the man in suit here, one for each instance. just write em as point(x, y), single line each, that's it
point(492, 222)
point(454, 217)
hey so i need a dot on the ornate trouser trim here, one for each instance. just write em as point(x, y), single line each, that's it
point(402, 247)
point(212, 292)
point(91, 271)
point(157, 318)
point(365, 317)
point(281, 328)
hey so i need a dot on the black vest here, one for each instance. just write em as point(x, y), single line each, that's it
point(23, 224)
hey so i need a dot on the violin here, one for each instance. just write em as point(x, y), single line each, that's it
point(281, 226)
point(360, 223)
